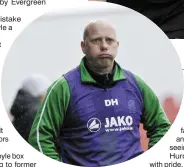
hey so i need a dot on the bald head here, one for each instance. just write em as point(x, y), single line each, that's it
point(94, 26)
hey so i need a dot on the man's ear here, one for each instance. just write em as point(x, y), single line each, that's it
point(118, 43)
point(83, 47)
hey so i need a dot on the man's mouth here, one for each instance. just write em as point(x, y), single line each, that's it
point(105, 56)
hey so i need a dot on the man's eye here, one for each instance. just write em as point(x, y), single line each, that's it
point(109, 40)
point(96, 41)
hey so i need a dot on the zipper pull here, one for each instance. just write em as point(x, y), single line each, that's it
point(107, 77)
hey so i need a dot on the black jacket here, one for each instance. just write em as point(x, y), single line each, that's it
point(24, 110)
point(167, 14)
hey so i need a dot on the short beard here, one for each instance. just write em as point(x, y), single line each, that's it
point(101, 65)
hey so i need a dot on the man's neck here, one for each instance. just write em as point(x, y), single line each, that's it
point(104, 79)
point(100, 71)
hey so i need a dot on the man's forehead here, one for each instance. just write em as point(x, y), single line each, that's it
point(101, 29)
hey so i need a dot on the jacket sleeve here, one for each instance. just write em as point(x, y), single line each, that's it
point(154, 119)
point(44, 135)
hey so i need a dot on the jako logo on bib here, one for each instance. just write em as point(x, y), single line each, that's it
point(112, 124)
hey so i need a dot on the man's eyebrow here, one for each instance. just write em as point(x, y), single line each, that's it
point(111, 38)
point(96, 37)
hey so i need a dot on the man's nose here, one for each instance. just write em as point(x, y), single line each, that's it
point(104, 45)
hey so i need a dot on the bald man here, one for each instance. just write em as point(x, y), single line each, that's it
point(91, 115)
